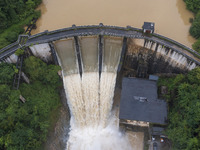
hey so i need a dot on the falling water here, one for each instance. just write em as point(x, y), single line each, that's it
point(175, 59)
point(107, 85)
point(93, 127)
point(90, 96)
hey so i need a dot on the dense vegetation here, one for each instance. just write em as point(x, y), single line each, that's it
point(184, 110)
point(24, 126)
point(14, 14)
point(194, 6)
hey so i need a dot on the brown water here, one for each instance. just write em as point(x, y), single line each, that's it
point(170, 16)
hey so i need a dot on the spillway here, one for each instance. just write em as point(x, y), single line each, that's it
point(90, 92)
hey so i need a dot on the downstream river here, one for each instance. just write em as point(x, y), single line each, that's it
point(170, 16)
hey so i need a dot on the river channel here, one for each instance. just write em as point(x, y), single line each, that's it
point(170, 16)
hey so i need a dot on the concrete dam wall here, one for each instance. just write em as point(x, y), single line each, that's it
point(141, 55)
point(150, 54)
point(147, 57)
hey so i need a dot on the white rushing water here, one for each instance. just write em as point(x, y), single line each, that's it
point(90, 97)
point(93, 127)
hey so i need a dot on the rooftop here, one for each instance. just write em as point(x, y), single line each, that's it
point(148, 25)
point(139, 101)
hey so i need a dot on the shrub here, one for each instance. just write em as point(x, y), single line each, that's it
point(12, 37)
point(193, 5)
point(19, 52)
point(195, 28)
point(196, 46)
point(24, 126)
point(184, 110)
point(6, 73)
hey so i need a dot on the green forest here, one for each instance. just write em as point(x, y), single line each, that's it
point(184, 110)
point(194, 6)
point(24, 126)
point(14, 15)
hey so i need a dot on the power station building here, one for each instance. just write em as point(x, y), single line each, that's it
point(139, 104)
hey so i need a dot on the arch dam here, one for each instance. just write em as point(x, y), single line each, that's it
point(144, 54)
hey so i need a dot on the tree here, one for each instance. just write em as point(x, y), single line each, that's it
point(193, 5)
point(25, 125)
point(35, 68)
point(3, 20)
point(14, 15)
point(195, 28)
point(19, 52)
point(196, 46)
point(20, 6)
point(51, 75)
point(30, 5)
point(12, 36)
point(193, 77)
point(6, 73)
point(184, 110)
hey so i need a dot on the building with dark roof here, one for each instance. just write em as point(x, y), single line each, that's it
point(139, 102)
point(148, 27)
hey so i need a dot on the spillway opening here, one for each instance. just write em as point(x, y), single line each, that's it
point(94, 124)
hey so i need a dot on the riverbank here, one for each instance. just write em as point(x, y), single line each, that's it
point(58, 133)
point(194, 6)
point(10, 34)
point(14, 16)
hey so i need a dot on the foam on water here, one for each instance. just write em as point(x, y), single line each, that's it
point(99, 138)
point(90, 92)
point(73, 89)
point(90, 101)
point(107, 86)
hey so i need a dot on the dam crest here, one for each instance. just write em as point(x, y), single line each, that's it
point(168, 51)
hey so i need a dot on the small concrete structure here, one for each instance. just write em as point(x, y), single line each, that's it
point(139, 102)
point(157, 131)
point(26, 79)
point(148, 27)
point(153, 77)
point(22, 39)
point(22, 98)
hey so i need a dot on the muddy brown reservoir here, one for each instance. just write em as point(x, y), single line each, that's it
point(170, 16)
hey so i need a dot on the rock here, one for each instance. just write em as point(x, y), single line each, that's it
point(164, 90)
point(22, 98)
point(26, 79)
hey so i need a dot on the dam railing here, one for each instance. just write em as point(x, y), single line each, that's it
point(128, 32)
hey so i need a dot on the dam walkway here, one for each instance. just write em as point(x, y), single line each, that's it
point(74, 31)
